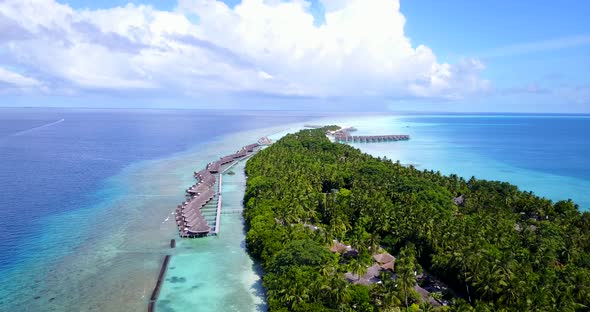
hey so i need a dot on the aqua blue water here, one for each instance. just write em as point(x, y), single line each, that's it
point(68, 185)
point(552, 144)
point(546, 154)
point(86, 195)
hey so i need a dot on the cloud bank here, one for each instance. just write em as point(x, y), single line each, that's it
point(205, 47)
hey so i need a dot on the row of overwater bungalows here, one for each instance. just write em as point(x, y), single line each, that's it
point(189, 218)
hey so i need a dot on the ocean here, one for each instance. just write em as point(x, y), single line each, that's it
point(545, 154)
point(87, 194)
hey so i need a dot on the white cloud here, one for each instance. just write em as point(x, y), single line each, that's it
point(265, 46)
point(578, 94)
point(453, 82)
point(17, 80)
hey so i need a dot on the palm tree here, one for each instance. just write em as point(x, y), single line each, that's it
point(405, 272)
point(357, 267)
point(387, 291)
point(426, 307)
point(339, 290)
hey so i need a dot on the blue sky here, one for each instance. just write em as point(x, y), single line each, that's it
point(525, 56)
point(479, 28)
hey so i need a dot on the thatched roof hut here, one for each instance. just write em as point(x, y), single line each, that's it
point(388, 266)
point(339, 247)
point(213, 167)
point(201, 228)
point(459, 200)
point(383, 258)
point(371, 277)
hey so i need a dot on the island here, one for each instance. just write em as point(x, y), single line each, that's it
point(335, 229)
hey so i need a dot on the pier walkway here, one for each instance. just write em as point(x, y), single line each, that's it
point(200, 214)
point(345, 137)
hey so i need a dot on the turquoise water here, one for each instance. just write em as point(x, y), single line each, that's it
point(215, 273)
point(88, 221)
point(97, 245)
point(544, 154)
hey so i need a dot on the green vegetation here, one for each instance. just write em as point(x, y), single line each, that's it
point(406, 267)
point(500, 250)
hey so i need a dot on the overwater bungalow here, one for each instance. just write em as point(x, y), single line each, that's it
point(250, 148)
point(201, 174)
point(198, 219)
point(240, 154)
point(201, 186)
point(189, 218)
point(201, 227)
point(196, 231)
point(198, 201)
point(189, 215)
point(225, 160)
point(213, 167)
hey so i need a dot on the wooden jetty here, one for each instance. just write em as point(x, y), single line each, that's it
point(191, 215)
point(343, 136)
point(347, 138)
point(156, 292)
point(218, 216)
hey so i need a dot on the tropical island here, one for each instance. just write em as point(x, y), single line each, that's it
point(339, 230)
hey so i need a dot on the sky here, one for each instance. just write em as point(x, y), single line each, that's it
point(351, 55)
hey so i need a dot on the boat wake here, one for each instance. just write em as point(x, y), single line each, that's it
point(39, 127)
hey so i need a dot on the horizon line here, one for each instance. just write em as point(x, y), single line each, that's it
point(303, 110)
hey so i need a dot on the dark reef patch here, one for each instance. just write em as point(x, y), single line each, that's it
point(176, 279)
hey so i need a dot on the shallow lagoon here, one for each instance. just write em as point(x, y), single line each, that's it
point(215, 273)
point(112, 259)
point(106, 257)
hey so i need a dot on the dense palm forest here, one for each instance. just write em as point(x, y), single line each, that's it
point(498, 248)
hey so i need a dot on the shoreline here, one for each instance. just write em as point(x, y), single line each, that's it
point(125, 253)
point(195, 255)
point(429, 150)
point(168, 177)
point(197, 260)
point(470, 213)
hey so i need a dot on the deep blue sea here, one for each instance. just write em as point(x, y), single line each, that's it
point(546, 154)
point(61, 167)
point(54, 162)
point(553, 144)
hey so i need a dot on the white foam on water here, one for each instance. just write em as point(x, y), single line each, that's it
point(38, 127)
